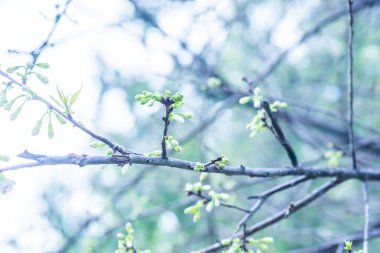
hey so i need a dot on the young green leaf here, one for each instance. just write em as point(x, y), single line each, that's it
point(60, 118)
point(43, 65)
point(15, 114)
point(42, 78)
point(37, 127)
point(50, 130)
point(13, 69)
point(75, 96)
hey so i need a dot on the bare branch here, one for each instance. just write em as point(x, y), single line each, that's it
point(291, 209)
point(121, 160)
point(265, 195)
point(350, 85)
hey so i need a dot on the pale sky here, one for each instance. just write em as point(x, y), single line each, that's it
point(24, 24)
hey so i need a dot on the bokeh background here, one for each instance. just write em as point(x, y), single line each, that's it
point(202, 48)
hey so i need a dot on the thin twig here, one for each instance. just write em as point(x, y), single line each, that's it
point(37, 52)
point(207, 199)
point(265, 195)
point(285, 213)
point(366, 216)
point(168, 109)
point(69, 118)
point(350, 84)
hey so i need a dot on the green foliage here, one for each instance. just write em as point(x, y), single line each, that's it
point(213, 82)
point(199, 167)
point(256, 98)
point(50, 128)
point(65, 102)
point(148, 98)
point(211, 202)
point(171, 102)
point(257, 124)
point(215, 200)
point(172, 144)
point(98, 144)
point(334, 157)
point(125, 242)
point(348, 247)
point(195, 210)
point(153, 153)
point(237, 245)
point(25, 71)
point(220, 163)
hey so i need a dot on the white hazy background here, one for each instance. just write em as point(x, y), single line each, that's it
point(24, 24)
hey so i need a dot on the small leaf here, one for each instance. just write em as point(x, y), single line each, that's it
point(60, 119)
point(42, 78)
point(75, 96)
point(13, 69)
point(3, 99)
point(37, 127)
point(4, 158)
point(43, 65)
point(15, 114)
point(10, 103)
point(50, 130)
point(97, 144)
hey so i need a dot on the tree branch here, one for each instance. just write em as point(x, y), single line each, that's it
point(121, 160)
point(291, 209)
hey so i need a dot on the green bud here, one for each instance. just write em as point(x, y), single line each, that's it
point(176, 117)
point(267, 240)
point(203, 176)
point(60, 118)
point(206, 187)
point(189, 187)
point(178, 104)
point(138, 97)
point(178, 97)
point(199, 167)
point(15, 114)
point(224, 196)
point(197, 217)
point(50, 130)
point(10, 103)
point(191, 210)
point(213, 82)
point(177, 148)
point(120, 235)
point(128, 227)
point(226, 242)
point(244, 100)
point(37, 128)
point(97, 144)
point(3, 99)
point(209, 206)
